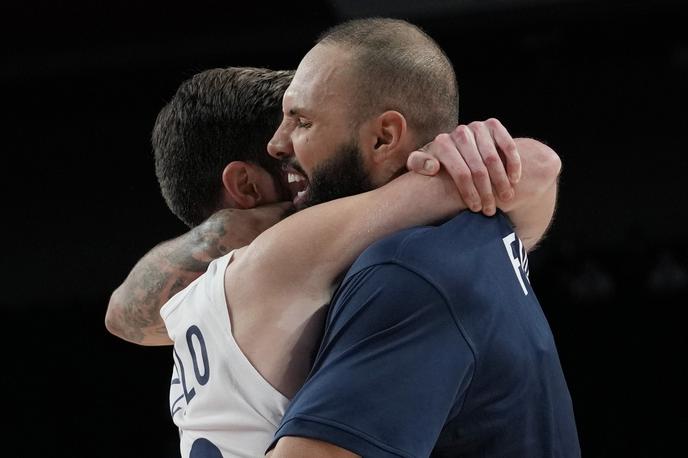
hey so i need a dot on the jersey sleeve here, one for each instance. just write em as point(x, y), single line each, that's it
point(392, 366)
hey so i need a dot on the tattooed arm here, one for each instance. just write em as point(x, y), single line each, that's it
point(134, 309)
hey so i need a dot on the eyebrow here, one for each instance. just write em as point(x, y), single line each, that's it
point(296, 110)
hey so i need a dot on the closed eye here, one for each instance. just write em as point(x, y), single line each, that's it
point(302, 123)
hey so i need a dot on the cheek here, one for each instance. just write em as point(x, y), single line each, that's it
point(314, 147)
point(305, 150)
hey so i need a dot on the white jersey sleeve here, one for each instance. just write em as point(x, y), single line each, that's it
point(220, 402)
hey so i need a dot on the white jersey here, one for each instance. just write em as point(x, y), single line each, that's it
point(220, 402)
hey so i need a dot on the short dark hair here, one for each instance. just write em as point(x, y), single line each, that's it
point(399, 67)
point(216, 117)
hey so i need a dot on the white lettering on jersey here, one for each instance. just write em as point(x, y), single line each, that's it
point(518, 260)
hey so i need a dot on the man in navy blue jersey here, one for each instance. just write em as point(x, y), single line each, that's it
point(435, 335)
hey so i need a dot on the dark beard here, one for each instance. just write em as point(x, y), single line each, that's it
point(340, 176)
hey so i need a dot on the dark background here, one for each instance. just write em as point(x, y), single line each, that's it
point(604, 83)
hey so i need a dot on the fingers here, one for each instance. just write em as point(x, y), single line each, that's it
point(507, 146)
point(448, 152)
point(443, 151)
point(466, 144)
point(481, 158)
point(491, 159)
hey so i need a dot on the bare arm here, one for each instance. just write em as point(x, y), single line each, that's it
point(134, 309)
point(300, 259)
point(532, 210)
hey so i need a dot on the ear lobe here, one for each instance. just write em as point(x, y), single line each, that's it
point(390, 129)
point(239, 187)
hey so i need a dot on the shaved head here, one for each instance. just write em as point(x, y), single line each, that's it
point(397, 66)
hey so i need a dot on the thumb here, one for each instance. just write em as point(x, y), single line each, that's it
point(423, 163)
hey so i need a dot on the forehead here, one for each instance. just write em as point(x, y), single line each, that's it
point(323, 81)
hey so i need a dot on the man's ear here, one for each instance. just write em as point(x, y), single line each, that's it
point(240, 189)
point(387, 134)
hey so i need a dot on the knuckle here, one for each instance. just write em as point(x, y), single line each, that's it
point(443, 139)
point(493, 123)
point(464, 176)
point(475, 125)
point(480, 174)
point(492, 160)
point(461, 133)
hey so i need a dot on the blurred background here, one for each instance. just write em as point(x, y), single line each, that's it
point(603, 82)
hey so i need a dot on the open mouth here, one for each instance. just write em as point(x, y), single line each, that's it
point(297, 184)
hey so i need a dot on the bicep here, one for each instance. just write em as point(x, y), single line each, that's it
point(390, 369)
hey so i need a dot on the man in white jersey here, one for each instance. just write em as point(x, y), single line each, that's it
point(233, 395)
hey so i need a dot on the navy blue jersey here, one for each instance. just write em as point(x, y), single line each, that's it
point(435, 340)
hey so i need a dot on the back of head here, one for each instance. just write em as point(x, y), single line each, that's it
point(216, 117)
point(399, 68)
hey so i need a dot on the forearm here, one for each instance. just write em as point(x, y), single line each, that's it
point(310, 249)
point(134, 309)
point(532, 208)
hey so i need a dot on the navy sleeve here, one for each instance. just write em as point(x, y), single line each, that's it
point(392, 365)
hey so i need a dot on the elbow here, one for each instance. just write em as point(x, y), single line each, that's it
point(113, 314)
point(551, 164)
point(543, 163)
point(548, 163)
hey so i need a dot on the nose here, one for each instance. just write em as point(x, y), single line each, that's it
point(280, 146)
